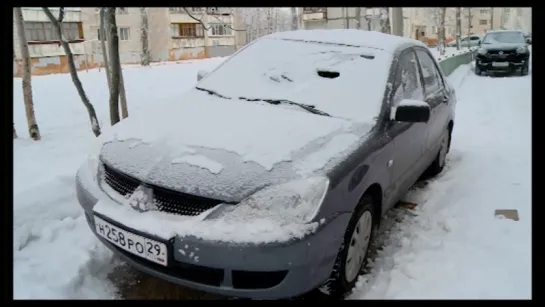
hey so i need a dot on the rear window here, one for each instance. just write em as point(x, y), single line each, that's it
point(344, 81)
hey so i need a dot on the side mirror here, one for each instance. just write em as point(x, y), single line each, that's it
point(528, 41)
point(200, 74)
point(411, 111)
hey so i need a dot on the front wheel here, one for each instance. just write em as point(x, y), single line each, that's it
point(525, 69)
point(354, 250)
point(478, 70)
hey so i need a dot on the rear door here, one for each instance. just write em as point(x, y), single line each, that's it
point(436, 96)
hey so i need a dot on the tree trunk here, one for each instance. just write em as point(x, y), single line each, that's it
point(33, 129)
point(145, 56)
point(469, 25)
point(113, 44)
point(385, 20)
point(458, 27)
point(103, 36)
point(294, 19)
point(397, 21)
point(347, 17)
point(491, 18)
point(73, 73)
point(358, 17)
point(442, 30)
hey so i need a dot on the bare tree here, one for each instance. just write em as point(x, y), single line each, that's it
point(458, 27)
point(469, 26)
point(103, 36)
point(491, 18)
point(57, 25)
point(385, 20)
point(145, 55)
point(397, 21)
point(441, 29)
point(294, 18)
point(33, 129)
point(113, 46)
point(358, 17)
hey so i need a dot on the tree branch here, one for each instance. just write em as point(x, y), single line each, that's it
point(61, 14)
point(195, 18)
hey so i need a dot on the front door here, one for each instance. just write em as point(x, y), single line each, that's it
point(408, 138)
point(436, 96)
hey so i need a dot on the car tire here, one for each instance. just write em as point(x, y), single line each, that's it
point(439, 162)
point(363, 226)
point(524, 70)
point(478, 70)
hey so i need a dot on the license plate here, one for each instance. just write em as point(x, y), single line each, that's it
point(500, 64)
point(149, 249)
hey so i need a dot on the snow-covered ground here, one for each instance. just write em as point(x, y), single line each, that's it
point(455, 247)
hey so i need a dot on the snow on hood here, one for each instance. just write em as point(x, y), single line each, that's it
point(275, 68)
point(222, 148)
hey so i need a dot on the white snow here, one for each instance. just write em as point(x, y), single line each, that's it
point(334, 147)
point(200, 161)
point(287, 70)
point(455, 248)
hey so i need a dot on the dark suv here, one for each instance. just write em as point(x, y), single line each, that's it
point(503, 51)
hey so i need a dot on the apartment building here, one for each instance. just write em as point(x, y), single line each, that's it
point(173, 34)
point(341, 18)
point(47, 55)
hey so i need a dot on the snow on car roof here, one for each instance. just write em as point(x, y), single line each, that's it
point(351, 37)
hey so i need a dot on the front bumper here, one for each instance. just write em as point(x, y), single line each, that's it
point(261, 271)
point(513, 62)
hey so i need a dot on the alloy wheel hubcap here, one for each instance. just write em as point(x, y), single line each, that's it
point(357, 248)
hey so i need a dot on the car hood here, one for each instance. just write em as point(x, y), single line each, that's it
point(225, 149)
point(502, 46)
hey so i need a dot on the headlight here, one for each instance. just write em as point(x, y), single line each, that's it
point(295, 201)
point(482, 51)
point(522, 49)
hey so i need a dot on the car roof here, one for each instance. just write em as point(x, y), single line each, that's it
point(349, 37)
point(502, 31)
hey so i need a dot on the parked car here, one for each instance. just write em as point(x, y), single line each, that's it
point(467, 41)
point(269, 178)
point(528, 38)
point(503, 51)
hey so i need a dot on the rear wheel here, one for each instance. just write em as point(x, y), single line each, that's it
point(352, 255)
point(438, 164)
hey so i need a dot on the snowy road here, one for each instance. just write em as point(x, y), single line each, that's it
point(454, 248)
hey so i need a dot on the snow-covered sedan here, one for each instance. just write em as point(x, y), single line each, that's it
point(268, 179)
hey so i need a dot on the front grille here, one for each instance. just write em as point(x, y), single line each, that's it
point(497, 52)
point(180, 203)
point(121, 183)
point(166, 200)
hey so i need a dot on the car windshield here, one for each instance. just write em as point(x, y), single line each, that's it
point(340, 80)
point(504, 37)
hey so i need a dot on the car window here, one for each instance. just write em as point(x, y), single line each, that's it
point(407, 83)
point(430, 73)
point(475, 38)
point(465, 39)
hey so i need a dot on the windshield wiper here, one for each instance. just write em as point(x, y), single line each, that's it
point(211, 92)
point(306, 107)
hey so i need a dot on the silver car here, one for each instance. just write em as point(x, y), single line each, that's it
point(467, 41)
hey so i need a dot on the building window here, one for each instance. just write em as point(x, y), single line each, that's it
point(122, 11)
point(195, 9)
point(484, 11)
point(44, 31)
point(218, 29)
point(212, 10)
point(483, 22)
point(507, 10)
point(186, 30)
point(124, 34)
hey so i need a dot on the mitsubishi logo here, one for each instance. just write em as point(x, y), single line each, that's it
point(501, 53)
point(141, 199)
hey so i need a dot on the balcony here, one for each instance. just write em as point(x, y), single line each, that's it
point(312, 10)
